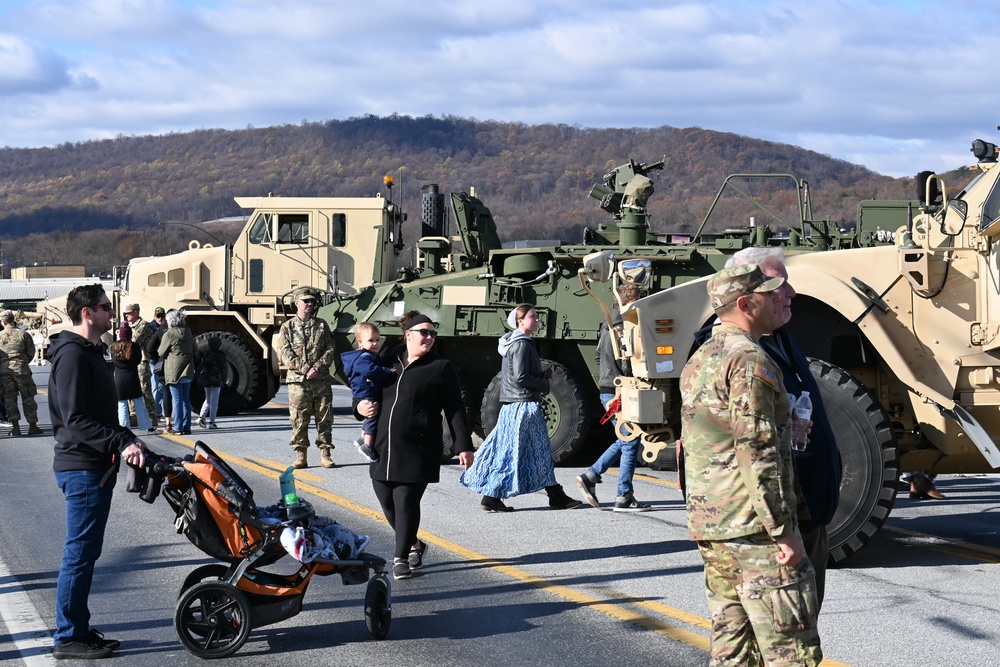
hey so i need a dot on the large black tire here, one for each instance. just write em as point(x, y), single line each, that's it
point(244, 375)
point(566, 411)
point(869, 455)
point(213, 619)
point(378, 608)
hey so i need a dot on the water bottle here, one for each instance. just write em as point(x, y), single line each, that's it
point(286, 481)
point(803, 411)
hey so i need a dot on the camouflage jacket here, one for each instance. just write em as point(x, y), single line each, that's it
point(306, 344)
point(141, 333)
point(737, 441)
point(20, 348)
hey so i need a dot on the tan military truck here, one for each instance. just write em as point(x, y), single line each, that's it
point(242, 292)
point(904, 340)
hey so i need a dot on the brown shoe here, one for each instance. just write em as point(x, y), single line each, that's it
point(921, 486)
point(325, 459)
point(300, 459)
point(15, 428)
point(34, 430)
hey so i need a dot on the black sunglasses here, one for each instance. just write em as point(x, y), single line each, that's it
point(426, 333)
point(106, 307)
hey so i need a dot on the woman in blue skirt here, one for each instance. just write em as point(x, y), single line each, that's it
point(517, 456)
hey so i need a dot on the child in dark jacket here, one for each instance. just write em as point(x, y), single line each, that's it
point(211, 376)
point(367, 374)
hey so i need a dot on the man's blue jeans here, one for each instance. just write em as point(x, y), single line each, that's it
point(87, 508)
point(626, 451)
point(158, 389)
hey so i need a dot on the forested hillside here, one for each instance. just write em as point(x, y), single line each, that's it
point(99, 203)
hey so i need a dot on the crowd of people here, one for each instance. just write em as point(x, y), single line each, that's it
point(756, 508)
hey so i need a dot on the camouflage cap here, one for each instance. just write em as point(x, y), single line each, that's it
point(6, 315)
point(158, 311)
point(730, 284)
point(305, 294)
point(132, 308)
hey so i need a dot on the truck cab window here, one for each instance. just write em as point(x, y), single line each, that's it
point(293, 228)
point(260, 230)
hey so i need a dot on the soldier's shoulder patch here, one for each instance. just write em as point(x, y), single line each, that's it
point(766, 374)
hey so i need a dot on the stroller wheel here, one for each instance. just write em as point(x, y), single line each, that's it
point(210, 572)
point(213, 619)
point(378, 607)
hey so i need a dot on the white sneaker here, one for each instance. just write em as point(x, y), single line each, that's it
point(201, 422)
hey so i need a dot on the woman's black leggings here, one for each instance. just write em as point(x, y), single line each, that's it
point(401, 506)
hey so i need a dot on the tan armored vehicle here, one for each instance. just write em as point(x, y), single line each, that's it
point(904, 337)
point(242, 293)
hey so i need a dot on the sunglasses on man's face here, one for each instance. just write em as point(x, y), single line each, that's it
point(426, 333)
point(106, 307)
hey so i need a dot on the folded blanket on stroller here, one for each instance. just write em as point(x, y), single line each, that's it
point(321, 538)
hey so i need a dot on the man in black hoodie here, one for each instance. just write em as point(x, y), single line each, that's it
point(89, 447)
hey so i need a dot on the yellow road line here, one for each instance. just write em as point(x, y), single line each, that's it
point(565, 592)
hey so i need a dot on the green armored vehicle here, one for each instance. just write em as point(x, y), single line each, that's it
point(468, 283)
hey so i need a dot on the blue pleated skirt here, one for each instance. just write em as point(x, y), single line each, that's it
point(516, 458)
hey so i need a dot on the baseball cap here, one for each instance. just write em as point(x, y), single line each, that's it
point(132, 308)
point(730, 284)
point(305, 294)
point(159, 311)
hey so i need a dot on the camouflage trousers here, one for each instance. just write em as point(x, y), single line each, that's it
point(763, 613)
point(305, 400)
point(146, 382)
point(25, 386)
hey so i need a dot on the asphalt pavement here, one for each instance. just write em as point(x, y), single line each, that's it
point(536, 586)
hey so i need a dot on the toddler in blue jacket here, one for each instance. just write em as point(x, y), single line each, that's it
point(367, 373)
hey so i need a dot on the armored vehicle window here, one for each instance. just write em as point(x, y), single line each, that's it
point(339, 234)
point(991, 208)
point(293, 228)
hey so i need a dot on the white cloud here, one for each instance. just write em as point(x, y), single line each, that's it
point(29, 68)
point(896, 85)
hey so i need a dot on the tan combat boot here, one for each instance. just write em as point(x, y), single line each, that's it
point(34, 430)
point(15, 430)
point(326, 461)
point(300, 459)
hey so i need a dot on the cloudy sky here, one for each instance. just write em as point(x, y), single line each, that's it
point(895, 85)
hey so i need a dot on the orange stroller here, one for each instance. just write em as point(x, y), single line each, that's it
point(221, 603)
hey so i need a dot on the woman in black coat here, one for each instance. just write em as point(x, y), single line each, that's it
point(409, 436)
point(126, 358)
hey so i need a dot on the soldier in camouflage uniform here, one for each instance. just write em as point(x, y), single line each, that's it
point(307, 350)
point(741, 498)
point(20, 348)
point(141, 333)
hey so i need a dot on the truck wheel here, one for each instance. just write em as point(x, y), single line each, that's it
point(243, 373)
point(565, 408)
point(869, 458)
